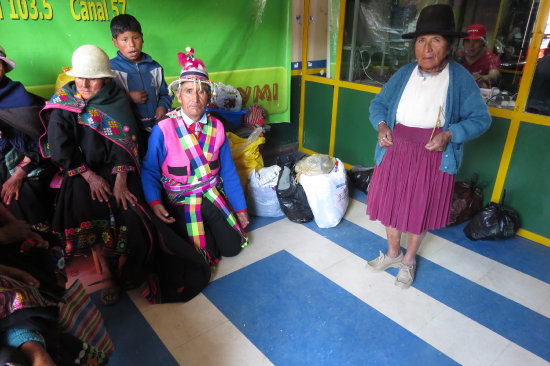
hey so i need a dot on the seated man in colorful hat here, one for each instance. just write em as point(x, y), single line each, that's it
point(187, 164)
point(482, 64)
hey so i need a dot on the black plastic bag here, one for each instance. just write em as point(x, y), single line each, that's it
point(467, 201)
point(292, 196)
point(493, 222)
point(360, 177)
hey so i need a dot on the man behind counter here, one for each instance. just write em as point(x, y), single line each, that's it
point(482, 64)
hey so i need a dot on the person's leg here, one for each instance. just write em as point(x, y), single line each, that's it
point(110, 294)
point(407, 270)
point(413, 244)
point(220, 236)
point(394, 241)
point(393, 256)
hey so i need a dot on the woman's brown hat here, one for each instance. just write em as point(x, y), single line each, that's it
point(436, 19)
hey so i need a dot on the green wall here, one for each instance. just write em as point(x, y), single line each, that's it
point(317, 117)
point(482, 156)
point(355, 138)
point(527, 182)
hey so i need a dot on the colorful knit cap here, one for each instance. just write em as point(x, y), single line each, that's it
point(192, 69)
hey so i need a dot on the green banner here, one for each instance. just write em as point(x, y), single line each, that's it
point(244, 43)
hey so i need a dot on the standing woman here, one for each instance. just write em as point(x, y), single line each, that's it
point(424, 114)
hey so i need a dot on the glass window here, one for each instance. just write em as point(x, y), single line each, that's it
point(538, 101)
point(322, 36)
point(373, 49)
point(513, 36)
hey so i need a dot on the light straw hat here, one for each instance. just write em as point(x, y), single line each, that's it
point(90, 62)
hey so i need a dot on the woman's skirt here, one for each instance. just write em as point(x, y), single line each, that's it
point(408, 192)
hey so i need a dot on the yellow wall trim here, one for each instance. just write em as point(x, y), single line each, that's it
point(534, 237)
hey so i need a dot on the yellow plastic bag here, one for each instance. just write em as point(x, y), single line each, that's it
point(63, 78)
point(246, 154)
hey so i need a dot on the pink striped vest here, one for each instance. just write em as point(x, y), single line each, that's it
point(176, 165)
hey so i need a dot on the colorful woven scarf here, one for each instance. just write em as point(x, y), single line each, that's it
point(202, 183)
point(107, 112)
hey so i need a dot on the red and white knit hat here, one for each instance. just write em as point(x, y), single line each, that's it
point(192, 69)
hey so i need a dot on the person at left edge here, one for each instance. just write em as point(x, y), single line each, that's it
point(24, 175)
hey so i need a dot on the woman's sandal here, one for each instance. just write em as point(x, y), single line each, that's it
point(110, 295)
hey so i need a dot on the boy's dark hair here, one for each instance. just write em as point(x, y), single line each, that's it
point(123, 23)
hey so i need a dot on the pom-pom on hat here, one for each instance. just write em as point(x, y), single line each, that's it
point(192, 69)
point(9, 64)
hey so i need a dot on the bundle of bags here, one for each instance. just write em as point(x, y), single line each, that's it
point(226, 97)
point(246, 153)
point(262, 199)
point(314, 188)
point(494, 222)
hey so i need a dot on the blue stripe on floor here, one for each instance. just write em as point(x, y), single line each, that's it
point(136, 343)
point(517, 252)
point(296, 316)
point(511, 320)
point(257, 222)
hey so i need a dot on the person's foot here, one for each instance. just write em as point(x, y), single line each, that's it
point(405, 276)
point(110, 295)
point(384, 262)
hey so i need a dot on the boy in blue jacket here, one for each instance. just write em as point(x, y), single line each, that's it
point(138, 73)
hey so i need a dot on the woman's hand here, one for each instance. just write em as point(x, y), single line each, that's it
point(243, 218)
point(99, 187)
point(12, 186)
point(161, 213)
point(138, 96)
point(122, 193)
point(440, 141)
point(385, 137)
point(19, 275)
point(19, 230)
point(160, 112)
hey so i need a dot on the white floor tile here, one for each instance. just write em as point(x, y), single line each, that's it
point(178, 323)
point(315, 250)
point(513, 355)
point(462, 339)
point(545, 308)
point(378, 291)
point(224, 345)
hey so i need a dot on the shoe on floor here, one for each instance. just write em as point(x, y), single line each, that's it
point(384, 262)
point(110, 295)
point(405, 276)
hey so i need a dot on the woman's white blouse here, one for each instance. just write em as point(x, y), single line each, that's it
point(423, 100)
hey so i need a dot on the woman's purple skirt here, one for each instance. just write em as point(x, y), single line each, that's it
point(408, 192)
